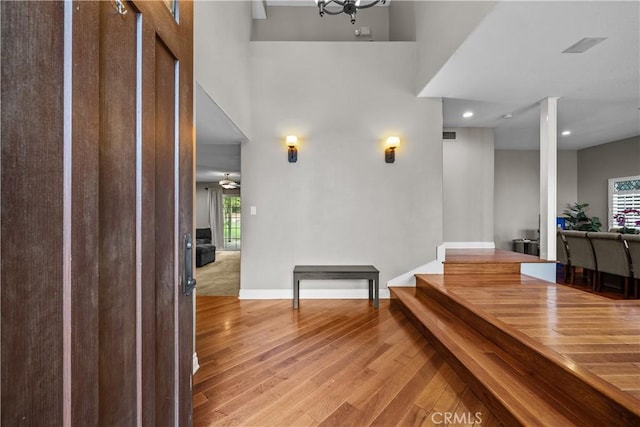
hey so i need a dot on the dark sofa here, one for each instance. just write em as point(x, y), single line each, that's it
point(205, 250)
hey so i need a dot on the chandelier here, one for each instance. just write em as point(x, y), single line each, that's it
point(350, 7)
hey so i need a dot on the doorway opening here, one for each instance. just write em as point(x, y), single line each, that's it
point(232, 221)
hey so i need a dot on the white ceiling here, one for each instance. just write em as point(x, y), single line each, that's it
point(218, 141)
point(514, 59)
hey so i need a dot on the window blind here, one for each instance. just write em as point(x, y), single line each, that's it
point(624, 193)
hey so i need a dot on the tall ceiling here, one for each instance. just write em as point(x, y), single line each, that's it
point(218, 141)
point(507, 65)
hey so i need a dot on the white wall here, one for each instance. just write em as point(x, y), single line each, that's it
point(296, 23)
point(567, 179)
point(340, 203)
point(597, 164)
point(582, 177)
point(222, 30)
point(517, 192)
point(402, 22)
point(441, 27)
point(202, 208)
point(517, 195)
point(468, 174)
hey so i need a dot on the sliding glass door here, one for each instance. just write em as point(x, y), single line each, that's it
point(232, 209)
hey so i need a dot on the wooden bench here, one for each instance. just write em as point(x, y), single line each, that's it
point(323, 272)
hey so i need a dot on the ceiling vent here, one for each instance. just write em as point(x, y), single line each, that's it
point(448, 135)
point(584, 45)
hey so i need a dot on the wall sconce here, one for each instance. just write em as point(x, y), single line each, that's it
point(390, 151)
point(292, 143)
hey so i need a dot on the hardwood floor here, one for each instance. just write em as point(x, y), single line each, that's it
point(537, 353)
point(342, 363)
point(596, 333)
point(333, 362)
point(580, 283)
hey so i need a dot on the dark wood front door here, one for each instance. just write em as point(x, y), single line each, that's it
point(97, 197)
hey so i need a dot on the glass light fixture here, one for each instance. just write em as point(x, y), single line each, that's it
point(393, 142)
point(292, 151)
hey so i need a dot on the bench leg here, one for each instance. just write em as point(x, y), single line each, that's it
point(376, 301)
point(370, 289)
point(296, 292)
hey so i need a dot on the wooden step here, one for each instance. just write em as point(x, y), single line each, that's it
point(451, 267)
point(499, 380)
point(579, 388)
point(563, 380)
point(485, 261)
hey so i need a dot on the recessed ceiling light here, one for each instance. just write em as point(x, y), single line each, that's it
point(507, 116)
point(584, 45)
point(566, 133)
point(467, 114)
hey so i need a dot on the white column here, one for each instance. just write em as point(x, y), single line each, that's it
point(548, 176)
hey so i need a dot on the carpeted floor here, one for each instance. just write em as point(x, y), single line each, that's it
point(221, 277)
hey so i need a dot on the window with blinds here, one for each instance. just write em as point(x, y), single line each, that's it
point(624, 195)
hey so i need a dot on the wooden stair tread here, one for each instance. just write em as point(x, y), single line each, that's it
point(474, 280)
point(526, 347)
point(486, 261)
point(543, 357)
point(482, 256)
point(509, 392)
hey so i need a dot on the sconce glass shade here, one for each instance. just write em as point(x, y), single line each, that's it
point(393, 142)
point(292, 141)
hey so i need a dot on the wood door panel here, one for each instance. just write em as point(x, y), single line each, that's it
point(185, 206)
point(117, 223)
point(165, 233)
point(95, 330)
point(32, 213)
point(85, 216)
point(148, 230)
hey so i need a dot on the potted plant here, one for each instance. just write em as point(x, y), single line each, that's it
point(577, 219)
point(621, 219)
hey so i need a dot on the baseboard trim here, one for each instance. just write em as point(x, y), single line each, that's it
point(469, 245)
point(196, 365)
point(436, 266)
point(310, 294)
point(409, 278)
